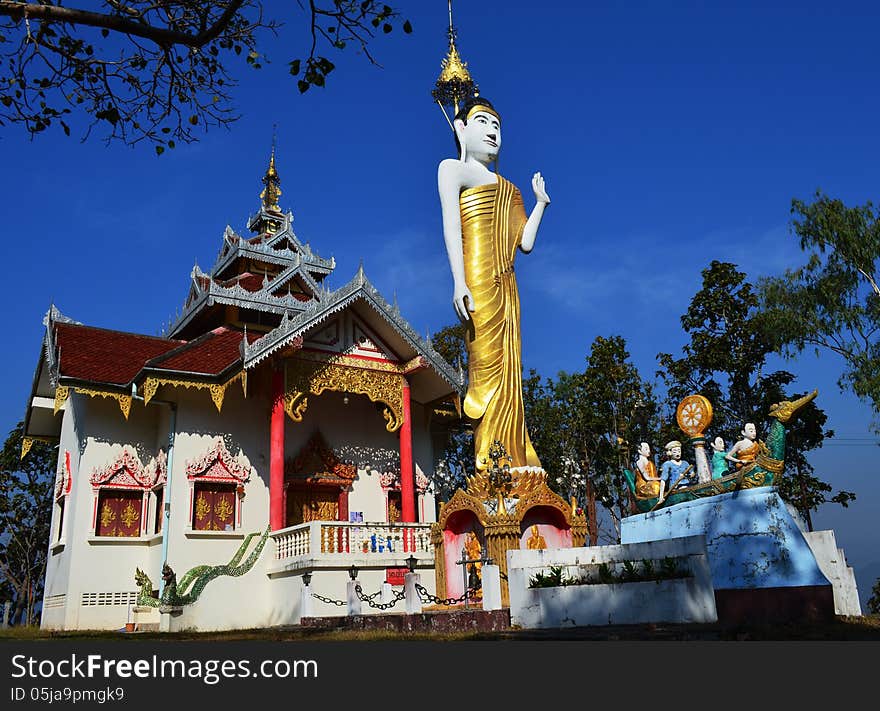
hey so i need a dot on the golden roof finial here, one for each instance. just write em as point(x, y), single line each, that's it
point(272, 191)
point(455, 82)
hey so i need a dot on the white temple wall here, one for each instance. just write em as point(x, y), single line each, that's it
point(100, 571)
point(244, 425)
point(100, 583)
point(60, 531)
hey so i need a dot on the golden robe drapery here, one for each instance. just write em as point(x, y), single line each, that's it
point(647, 488)
point(492, 222)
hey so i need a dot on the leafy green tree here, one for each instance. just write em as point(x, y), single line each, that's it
point(154, 71)
point(583, 426)
point(450, 342)
point(616, 397)
point(25, 516)
point(725, 359)
point(832, 303)
point(545, 420)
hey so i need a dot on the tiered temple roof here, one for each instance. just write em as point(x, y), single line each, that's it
point(261, 277)
point(263, 293)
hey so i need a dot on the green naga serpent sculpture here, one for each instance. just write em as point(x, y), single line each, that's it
point(767, 467)
point(192, 583)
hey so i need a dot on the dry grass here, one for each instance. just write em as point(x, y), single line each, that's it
point(842, 628)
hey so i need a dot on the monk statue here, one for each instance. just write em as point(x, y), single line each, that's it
point(536, 540)
point(484, 224)
point(474, 554)
point(649, 484)
point(745, 450)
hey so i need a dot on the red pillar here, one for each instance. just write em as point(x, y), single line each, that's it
point(407, 503)
point(342, 505)
point(276, 454)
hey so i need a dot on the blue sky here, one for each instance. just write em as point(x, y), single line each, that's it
point(669, 134)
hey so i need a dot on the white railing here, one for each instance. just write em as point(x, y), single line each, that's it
point(364, 539)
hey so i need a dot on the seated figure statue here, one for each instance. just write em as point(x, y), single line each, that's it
point(719, 458)
point(474, 553)
point(744, 450)
point(536, 540)
point(675, 470)
point(648, 483)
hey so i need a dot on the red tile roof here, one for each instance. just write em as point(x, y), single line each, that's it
point(209, 354)
point(104, 356)
point(249, 282)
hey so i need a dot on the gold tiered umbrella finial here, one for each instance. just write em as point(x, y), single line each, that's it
point(455, 82)
point(272, 190)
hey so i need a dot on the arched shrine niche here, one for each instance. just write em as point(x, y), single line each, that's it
point(544, 527)
point(463, 534)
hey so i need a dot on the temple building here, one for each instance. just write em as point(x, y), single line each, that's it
point(274, 406)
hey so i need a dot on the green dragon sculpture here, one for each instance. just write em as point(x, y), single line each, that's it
point(193, 582)
point(767, 467)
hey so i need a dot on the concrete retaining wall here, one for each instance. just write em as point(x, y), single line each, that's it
point(689, 599)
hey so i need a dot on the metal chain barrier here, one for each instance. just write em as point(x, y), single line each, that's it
point(338, 603)
point(425, 596)
point(398, 596)
point(428, 597)
point(366, 598)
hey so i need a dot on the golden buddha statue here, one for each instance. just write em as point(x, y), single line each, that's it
point(475, 569)
point(484, 224)
point(536, 540)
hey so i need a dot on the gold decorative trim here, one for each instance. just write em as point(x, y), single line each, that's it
point(26, 444)
point(295, 405)
point(305, 376)
point(340, 359)
point(217, 390)
point(460, 501)
point(417, 363)
point(62, 392)
point(503, 529)
point(763, 459)
point(123, 399)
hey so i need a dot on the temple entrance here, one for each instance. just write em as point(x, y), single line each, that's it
point(317, 484)
point(395, 506)
point(313, 504)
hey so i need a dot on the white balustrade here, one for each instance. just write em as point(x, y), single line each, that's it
point(383, 540)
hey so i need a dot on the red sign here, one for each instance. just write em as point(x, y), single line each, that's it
point(395, 576)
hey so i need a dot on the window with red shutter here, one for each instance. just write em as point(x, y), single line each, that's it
point(159, 514)
point(214, 507)
point(119, 513)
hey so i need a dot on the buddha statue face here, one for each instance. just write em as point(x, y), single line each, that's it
point(480, 134)
point(749, 431)
point(645, 449)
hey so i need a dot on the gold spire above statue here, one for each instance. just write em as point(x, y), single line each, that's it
point(272, 191)
point(455, 82)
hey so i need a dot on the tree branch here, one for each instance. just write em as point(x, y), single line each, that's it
point(159, 35)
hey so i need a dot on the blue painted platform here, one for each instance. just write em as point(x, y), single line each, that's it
point(752, 540)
